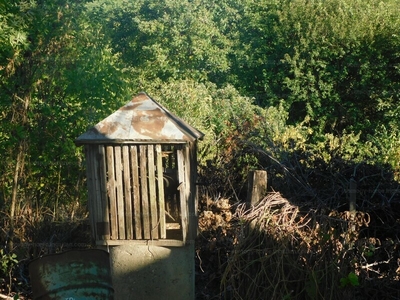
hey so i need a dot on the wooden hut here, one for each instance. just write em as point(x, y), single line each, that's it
point(141, 176)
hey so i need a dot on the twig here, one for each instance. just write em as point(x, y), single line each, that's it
point(233, 189)
point(201, 262)
point(367, 266)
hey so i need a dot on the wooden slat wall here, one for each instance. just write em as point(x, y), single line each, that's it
point(126, 190)
point(97, 202)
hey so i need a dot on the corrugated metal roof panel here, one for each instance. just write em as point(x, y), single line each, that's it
point(141, 120)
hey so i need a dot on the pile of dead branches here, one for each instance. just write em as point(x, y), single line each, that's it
point(285, 252)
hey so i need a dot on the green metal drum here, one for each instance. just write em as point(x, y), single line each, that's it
point(72, 275)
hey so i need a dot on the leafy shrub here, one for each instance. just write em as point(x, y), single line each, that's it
point(8, 262)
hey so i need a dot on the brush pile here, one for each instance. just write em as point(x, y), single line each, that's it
point(284, 252)
point(303, 242)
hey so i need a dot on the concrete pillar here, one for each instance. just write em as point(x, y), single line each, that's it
point(152, 272)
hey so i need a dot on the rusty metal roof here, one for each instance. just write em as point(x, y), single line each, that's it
point(142, 120)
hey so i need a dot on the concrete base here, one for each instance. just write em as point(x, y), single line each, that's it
point(152, 272)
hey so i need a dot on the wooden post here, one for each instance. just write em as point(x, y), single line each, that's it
point(144, 192)
point(104, 226)
point(137, 216)
point(257, 186)
point(127, 192)
point(111, 192)
point(160, 186)
point(154, 221)
point(182, 193)
point(119, 193)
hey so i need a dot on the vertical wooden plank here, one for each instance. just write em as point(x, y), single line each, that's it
point(89, 181)
point(193, 211)
point(152, 192)
point(111, 192)
point(119, 192)
point(127, 192)
point(97, 205)
point(136, 192)
point(105, 232)
point(182, 193)
point(175, 203)
point(191, 190)
point(160, 187)
point(144, 191)
point(187, 187)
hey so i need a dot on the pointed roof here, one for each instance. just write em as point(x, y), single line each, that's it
point(142, 120)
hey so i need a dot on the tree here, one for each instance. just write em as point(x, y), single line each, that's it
point(334, 62)
point(54, 83)
point(168, 39)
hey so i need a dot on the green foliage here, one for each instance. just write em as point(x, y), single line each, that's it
point(65, 79)
point(332, 61)
point(387, 143)
point(14, 19)
point(350, 280)
point(326, 72)
point(217, 112)
point(168, 39)
point(8, 261)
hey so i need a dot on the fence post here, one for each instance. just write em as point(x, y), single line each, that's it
point(256, 186)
